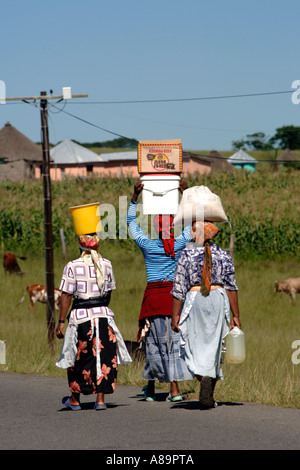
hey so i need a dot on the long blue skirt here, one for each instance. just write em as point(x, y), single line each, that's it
point(163, 361)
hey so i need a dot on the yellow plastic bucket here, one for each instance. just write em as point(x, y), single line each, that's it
point(86, 218)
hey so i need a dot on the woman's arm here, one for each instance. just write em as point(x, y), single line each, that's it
point(177, 305)
point(135, 230)
point(64, 308)
point(234, 305)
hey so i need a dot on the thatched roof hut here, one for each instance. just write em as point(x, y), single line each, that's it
point(287, 156)
point(18, 155)
point(219, 162)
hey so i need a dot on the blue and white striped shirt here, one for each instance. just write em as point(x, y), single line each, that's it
point(159, 266)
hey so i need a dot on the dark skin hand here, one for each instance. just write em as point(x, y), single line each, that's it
point(183, 186)
point(138, 188)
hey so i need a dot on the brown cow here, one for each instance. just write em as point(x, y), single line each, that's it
point(10, 263)
point(290, 286)
point(38, 292)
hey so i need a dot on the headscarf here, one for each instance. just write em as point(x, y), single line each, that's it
point(163, 225)
point(89, 244)
point(203, 233)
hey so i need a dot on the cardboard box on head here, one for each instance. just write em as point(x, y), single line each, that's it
point(86, 218)
point(160, 156)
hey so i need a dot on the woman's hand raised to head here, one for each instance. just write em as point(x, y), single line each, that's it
point(138, 187)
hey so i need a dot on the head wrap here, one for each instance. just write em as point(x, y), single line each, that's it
point(163, 225)
point(89, 244)
point(202, 232)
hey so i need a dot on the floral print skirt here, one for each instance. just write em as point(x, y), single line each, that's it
point(95, 367)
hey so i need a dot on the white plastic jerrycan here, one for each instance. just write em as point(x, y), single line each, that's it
point(235, 346)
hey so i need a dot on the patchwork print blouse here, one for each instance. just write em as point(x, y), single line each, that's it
point(189, 270)
point(79, 279)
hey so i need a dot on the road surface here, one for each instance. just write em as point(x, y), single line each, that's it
point(33, 418)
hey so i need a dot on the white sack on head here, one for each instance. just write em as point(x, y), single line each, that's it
point(199, 202)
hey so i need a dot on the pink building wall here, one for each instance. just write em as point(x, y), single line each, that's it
point(119, 170)
point(194, 166)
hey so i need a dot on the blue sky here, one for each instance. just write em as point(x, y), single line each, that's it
point(138, 50)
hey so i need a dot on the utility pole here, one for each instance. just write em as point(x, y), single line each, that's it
point(48, 223)
point(43, 98)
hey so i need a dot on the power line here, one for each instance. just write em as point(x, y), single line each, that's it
point(165, 101)
point(170, 100)
point(198, 154)
point(154, 101)
point(202, 98)
point(94, 125)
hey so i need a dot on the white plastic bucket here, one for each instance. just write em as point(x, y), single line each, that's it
point(160, 194)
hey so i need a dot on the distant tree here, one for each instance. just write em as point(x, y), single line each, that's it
point(287, 137)
point(256, 141)
point(121, 142)
point(238, 144)
point(124, 142)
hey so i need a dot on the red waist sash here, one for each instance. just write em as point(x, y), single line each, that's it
point(157, 299)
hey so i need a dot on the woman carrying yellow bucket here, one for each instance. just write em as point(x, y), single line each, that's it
point(93, 345)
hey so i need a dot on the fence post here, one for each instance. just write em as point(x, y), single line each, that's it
point(62, 239)
point(231, 246)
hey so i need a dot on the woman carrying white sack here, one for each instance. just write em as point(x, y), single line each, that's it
point(204, 291)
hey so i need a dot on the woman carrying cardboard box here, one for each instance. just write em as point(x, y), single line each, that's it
point(163, 362)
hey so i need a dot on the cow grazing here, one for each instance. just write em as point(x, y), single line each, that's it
point(290, 286)
point(11, 265)
point(38, 293)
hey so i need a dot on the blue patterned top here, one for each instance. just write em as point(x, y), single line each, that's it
point(159, 267)
point(190, 265)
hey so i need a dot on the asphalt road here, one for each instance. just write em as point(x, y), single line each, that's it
point(33, 418)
